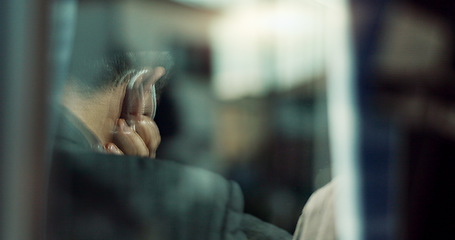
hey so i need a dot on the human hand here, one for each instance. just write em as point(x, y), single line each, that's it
point(142, 138)
point(138, 134)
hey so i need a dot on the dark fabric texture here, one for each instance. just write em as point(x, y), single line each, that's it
point(118, 197)
point(255, 229)
point(99, 196)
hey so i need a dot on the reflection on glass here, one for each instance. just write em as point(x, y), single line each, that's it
point(246, 98)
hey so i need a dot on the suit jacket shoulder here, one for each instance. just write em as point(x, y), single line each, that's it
point(100, 196)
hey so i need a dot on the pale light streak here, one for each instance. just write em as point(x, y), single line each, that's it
point(343, 122)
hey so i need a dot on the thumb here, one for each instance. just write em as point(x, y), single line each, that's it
point(113, 149)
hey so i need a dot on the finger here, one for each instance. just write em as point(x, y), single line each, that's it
point(149, 132)
point(155, 140)
point(138, 96)
point(113, 149)
point(157, 73)
point(129, 141)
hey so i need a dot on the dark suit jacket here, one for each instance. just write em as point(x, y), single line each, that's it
point(98, 196)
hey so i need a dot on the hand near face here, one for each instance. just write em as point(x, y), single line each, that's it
point(137, 134)
point(142, 142)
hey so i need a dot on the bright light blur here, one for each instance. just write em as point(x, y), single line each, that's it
point(264, 47)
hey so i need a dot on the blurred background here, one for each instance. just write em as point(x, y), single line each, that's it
point(246, 98)
point(278, 95)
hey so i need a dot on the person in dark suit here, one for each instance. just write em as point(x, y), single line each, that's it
point(105, 182)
